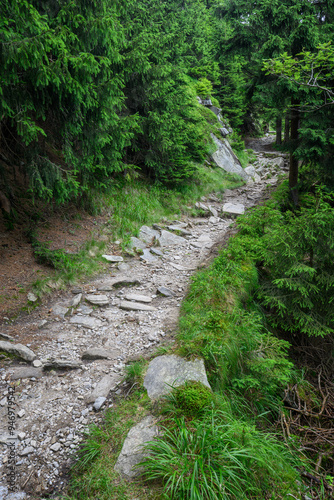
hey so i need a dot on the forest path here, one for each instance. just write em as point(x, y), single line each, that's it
point(54, 404)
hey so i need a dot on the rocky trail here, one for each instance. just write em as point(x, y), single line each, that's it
point(70, 353)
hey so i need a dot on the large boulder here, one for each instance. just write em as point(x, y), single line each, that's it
point(165, 372)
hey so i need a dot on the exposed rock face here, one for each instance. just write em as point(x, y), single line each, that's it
point(226, 159)
point(166, 371)
point(234, 208)
point(132, 452)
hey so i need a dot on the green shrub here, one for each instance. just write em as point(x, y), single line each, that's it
point(192, 398)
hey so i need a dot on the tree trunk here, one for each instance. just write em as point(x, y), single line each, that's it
point(287, 129)
point(278, 131)
point(293, 171)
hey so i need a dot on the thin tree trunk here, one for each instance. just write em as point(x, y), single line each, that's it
point(293, 171)
point(278, 131)
point(287, 129)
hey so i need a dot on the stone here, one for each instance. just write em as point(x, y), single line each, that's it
point(59, 310)
point(103, 387)
point(179, 229)
point(76, 300)
point(42, 323)
point(99, 353)
point(147, 256)
point(4, 336)
point(61, 364)
point(181, 268)
point(224, 132)
point(98, 300)
point(137, 297)
point(117, 283)
point(99, 402)
point(135, 306)
point(172, 370)
point(225, 158)
point(26, 451)
point(86, 321)
point(28, 372)
point(166, 292)
point(21, 413)
point(213, 211)
point(18, 350)
point(32, 297)
point(214, 220)
point(201, 206)
point(123, 267)
point(5, 495)
point(113, 258)
point(137, 243)
point(156, 251)
point(21, 435)
point(132, 451)
point(55, 447)
point(37, 363)
point(234, 208)
point(168, 239)
point(148, 235)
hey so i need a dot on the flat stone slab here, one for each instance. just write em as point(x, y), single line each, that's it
point(234, 208)
point(86, 321)
point(180, 229)
point(132, 452)
point(138, 298)
point(113, 258)
point(103, 387)
point(100, 353)
point(27, 372)
point(59, 310)
point(110, 285)
point(147, 256)
point(76, 300)
point(61, 364)
point(137, 243)
point(147, 234)
point(156, 251)
point(18, 350)
point(135, 306)
point(98, 300)
point(166, 371)
point(166, 292)
point(168, 239)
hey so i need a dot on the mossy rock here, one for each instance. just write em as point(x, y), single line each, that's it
point(193, 398)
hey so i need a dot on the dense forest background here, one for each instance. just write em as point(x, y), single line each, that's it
point(90, 90)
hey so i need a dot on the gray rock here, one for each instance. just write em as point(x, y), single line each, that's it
point(137, 243)
point(113, 258)
point(98, 300)
point(166, 371)
point(224, 132)
point(99, 402)
point(59, 310)
point(99, 353)
point(37, 363)
point(61, 364)
point(201, 206)
point(147, 256)
point(132, 451)
point(86, 321)
point(28, 372)
point(55, 447)
point(27, 451)
point(234, 208)
point(156, 251)
point(31, 297)
point(165, 291)
point(21, 413)
point(19, 495)
point(117, 283)
point(206, 102)
point(213, 211)
point(225, 158)
point(179, 229)
point(137, 297)
point(214, 220)
point(123, 267)
point(148, 235)
point(135, 306)
point(76, 300)
point(42, 323)
point(181, 268)
point(168, 239)
point(18, 350)
point(4, 336)
point(103, 387)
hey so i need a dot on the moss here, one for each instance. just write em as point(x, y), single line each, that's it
point(193, 398)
